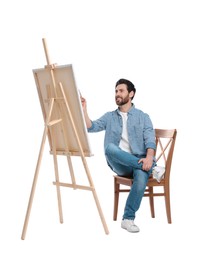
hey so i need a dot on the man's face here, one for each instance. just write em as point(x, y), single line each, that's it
point(122, 96)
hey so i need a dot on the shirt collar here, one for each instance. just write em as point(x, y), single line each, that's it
point(130, 110)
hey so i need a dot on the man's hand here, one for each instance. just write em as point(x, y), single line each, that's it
point(84, 106)
point(84, 103)
point(146, 163)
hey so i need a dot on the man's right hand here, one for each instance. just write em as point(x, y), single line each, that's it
point(84, 103)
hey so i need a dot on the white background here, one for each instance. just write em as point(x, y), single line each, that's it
point(153, 44)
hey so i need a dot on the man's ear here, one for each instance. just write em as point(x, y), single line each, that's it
point(131, 94)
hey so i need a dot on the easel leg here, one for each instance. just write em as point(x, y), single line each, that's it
point(57, 178)
point(100, 212)
point(34, 183)
point(95, 196)
point(37, 170)
point(84, 161)
point(71, 171)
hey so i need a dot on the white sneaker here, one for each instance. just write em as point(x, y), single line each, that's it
point(158, 173)
point(129, 225)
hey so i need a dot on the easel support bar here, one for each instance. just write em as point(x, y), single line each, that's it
point(76, 186)
point(54, 122)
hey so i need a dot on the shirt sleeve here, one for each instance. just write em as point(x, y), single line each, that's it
point(149, 133)
point(99, 124)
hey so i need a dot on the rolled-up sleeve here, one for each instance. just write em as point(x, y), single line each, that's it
point(149, 133)
point(99, 124)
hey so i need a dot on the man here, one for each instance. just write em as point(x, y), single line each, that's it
point(129, 145)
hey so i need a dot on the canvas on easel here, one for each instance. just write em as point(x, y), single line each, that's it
point(64, 127)
point(44, 83)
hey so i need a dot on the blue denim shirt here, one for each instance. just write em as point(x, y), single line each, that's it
point(140, 130)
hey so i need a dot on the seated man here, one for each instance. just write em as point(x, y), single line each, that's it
point(129, 145)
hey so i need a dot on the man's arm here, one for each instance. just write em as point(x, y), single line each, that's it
point(149, 137)
point(148, 161)
point(87, 119)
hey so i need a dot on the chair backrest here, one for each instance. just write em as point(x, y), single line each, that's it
point(165, 141)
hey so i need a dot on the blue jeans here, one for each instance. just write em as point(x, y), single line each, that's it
point(126, 164)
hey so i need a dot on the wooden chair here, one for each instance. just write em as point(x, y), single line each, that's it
point(165, 141)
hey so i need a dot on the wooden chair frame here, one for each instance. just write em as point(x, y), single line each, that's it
point(165, 141)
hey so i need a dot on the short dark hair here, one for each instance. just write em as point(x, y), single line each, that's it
point(130, 86)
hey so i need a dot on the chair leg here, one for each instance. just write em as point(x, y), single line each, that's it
point(151, 201)
point(116, 199)
point(167, 202)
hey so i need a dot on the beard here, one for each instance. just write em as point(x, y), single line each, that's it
point(122, 101)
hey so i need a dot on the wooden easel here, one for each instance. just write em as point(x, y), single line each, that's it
point(55, 105)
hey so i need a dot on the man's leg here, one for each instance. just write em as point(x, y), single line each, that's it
point(126, 164)
point(136, 193)
point(120, 161)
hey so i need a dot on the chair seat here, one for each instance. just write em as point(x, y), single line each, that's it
point(127, 181)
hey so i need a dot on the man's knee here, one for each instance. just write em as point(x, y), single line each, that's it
point(110, 148)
